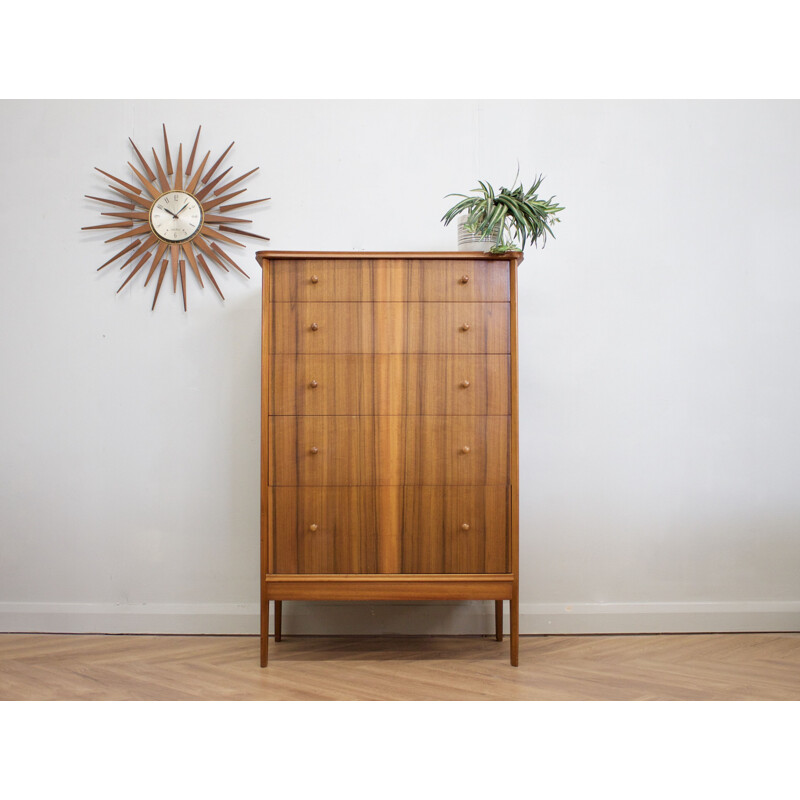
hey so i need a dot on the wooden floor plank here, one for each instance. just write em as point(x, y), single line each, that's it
point(746, 666)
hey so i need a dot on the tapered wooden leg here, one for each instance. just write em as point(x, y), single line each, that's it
point(514, 613)
point(264, 631)
point(278, 614)
point(498, 620)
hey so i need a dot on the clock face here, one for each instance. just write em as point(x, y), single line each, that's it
point(176, 216)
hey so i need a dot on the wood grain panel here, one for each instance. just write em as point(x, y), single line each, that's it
point(442, 384)
point(325, 327)
point(389, 587)
point(323, 451)
point(415, 280)
point(454, 530)
point(453, 451)
point(322, 328)
point(441, 280)
point(388, 450)
point(322, 384)
point(390, 384)
point(458, 328)
point(267, 528)
point(333, 531)
point(320, 280)
point(513, 498)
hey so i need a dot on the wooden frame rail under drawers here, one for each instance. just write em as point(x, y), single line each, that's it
point(389, 430)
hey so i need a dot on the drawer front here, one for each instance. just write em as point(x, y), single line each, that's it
point(451, 281)
point(322, 384)
point(388, 451)
point(455, 530)
point(457, 328)
point(389, 384)
point(390, 530)
point(456, 451)
point(336, 531)
point(442, 384)
point(321, 280)
point(322, 328)
point(343, 280)
point(323, 451)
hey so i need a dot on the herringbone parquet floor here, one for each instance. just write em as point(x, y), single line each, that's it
point(632, 667)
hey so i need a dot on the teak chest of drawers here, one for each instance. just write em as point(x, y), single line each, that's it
point(389, 457)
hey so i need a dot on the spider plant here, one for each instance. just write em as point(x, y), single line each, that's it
point(518, 215)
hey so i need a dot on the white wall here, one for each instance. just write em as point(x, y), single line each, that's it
point(659, 380)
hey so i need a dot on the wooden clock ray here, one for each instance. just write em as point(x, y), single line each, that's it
point(176, 215)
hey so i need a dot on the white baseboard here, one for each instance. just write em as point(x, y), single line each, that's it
point(394, 618)
point(695, 617)
point(178, 618)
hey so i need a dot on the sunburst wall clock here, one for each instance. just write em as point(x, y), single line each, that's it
point(177, 216)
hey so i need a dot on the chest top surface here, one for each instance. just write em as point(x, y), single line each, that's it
point(411, 254)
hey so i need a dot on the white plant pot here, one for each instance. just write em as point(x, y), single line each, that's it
point(474, 242)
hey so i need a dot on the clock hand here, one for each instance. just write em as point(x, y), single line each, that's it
point(174, 216)
point(184, 206)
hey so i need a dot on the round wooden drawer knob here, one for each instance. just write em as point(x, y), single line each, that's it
point(313, 384)
point(314, 279)
point(465, 526)
point(465, 384)
point(465, 279)
point(465, 449)
point(314, 451)
point(314, 326)
point(313, 526)
point(465, 326)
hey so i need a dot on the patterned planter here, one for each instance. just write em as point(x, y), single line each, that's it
point(475, 242)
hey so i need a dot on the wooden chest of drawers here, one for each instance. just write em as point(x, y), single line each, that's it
point(389, 430)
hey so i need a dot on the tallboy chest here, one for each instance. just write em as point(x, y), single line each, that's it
point(389, 436)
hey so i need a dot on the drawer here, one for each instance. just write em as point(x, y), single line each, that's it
point(322, 327)
point(321, 384)
point(452, 281)
point(455, 530)
point(442, 384)
point(389, 384)
point(442, 328)
point(388, 451)
point(453, 451)
point(336, 531)
point(344, 280)
point(390, 530)
point(324, 451)
point(468, 328)
point(321, 280)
